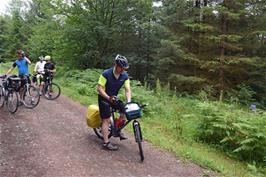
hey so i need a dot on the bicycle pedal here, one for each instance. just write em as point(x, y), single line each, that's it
point(116, 135)
point(123, 138)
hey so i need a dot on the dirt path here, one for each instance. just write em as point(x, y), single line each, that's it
point(53, 140)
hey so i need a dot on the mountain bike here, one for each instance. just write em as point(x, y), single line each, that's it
point(51, 91)
point(30, 94)
point(132, 112)
point(8, 94)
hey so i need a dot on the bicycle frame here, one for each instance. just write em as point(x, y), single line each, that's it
point(51, 90)
point(49, 80)
point(7, 91)
point(29, 94)
point(4, 90)
point(115, 130)
point(27, 84)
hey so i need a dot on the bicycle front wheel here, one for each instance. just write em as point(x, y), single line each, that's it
point(52, 91)
point(138, 138)
point(2, 97)
point(31, 97)
point(12, 102)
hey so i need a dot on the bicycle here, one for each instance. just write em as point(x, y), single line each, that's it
point(51, 91)
point(132, 112)
point(30, 94)
point(8, 94)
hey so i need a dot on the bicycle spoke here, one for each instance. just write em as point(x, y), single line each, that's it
point(52, 91)
point(31, 97)
point(2, 97)
point(12, 102)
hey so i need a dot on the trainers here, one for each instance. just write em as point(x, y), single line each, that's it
point(122, 136)
point(109, 146)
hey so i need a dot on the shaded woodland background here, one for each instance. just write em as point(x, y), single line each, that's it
point(211, 47)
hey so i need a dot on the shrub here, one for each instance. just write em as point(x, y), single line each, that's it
point(241, 134)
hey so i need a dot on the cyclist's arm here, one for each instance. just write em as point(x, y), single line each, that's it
point(28, 60)
point(101, 91)
point(128, 90)
point(53, 70)
point(101, 87)
point(12, 68)
point(35, 68)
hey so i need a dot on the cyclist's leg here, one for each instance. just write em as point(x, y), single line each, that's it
point(121, 134)
point(22, 88)
point(105, 114)
point(51, 88)
point(45, 80)
point(35, 80)
point(38, 77)
point(41, 85)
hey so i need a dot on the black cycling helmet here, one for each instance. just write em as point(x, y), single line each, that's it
point(121, 61)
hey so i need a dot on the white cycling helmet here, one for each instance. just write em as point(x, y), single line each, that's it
point(47, 57)
point(41, 58)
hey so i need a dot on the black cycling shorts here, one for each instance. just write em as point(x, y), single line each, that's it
point(105, 107)
point(24, 80)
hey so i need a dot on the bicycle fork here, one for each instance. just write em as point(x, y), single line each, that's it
point(136, 128)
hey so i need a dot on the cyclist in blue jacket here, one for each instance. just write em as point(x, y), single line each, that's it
point(109, 84)
point(22, 63)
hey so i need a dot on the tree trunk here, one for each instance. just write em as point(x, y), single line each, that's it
point(222, 53)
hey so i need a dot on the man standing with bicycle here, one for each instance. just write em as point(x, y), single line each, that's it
point(39, 71)
point(109, 84)
point(22, 63)
point(49, 68)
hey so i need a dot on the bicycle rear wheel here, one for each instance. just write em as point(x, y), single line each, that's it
point(31, 97)
point(12, 102)
point(2, 97)
point(138, 138)
point(52, 91)
point(98, 132)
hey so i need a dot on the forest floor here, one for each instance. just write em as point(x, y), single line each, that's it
point(54, 140)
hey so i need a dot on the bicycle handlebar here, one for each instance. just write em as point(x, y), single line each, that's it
point(3, 76)
point(143, 106)
point(120, 105)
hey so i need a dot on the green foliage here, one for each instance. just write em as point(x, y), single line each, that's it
point(218, 45)
point(3, 39)
point(243, 95)
point(158, 86)
point(239, 132)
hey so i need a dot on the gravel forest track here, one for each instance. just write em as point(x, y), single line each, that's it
point(53, 140)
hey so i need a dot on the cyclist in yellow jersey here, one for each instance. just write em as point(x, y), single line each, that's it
point(109, 84)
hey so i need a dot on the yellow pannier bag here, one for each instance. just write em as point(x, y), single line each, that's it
point(93, 116)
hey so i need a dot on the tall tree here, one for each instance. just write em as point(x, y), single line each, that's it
point(18, 31)
point(209, 44)
point(3, 38)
